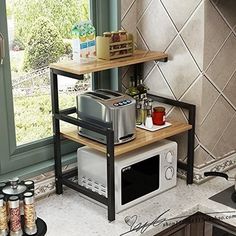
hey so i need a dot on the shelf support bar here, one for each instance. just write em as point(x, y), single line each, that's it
point(191, 120)
point(110, 175)
point(56, 132)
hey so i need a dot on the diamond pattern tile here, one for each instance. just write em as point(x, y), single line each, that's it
point(185, 70)
point(157, 33)
point(230, 89)
point(193, 35)
point(227, 143)
point(141, 7)
point(201, 157)
point(180, 11)
point(224, 64)
point(201, 61)
point(157, 84)
point(215, 123)
point(214, 36)
point(125, 5)
point(130, 20)
point(228, 9)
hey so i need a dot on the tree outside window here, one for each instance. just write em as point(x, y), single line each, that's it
point(40, 34)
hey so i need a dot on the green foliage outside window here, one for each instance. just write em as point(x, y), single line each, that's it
point(63, 13)
point(45, 45)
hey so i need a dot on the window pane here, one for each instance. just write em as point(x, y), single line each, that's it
point(39, 34)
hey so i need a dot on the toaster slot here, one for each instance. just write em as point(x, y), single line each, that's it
point(98, 95)
point(109, 92)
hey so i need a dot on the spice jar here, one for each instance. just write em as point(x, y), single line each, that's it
point(158, 115)
point(123, 38)
point(115, 38)
point(108, 35)
point(3, 217)
point(15, 218)
point(123, 35)
point(30, 214)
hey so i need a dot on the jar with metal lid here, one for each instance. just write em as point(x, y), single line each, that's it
point(15, 218)
point(123, 35)
point(158, 115)
point(115, 36)
point(3, 217)
point(29, 184)
point(29, 214)
point(108, 35)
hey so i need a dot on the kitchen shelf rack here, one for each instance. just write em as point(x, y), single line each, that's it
point(77, 70)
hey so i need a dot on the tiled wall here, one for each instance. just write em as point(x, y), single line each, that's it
point(200, 38)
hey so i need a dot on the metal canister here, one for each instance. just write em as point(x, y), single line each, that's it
point(29, 184)
point(3, 217)
point(30, 226)
point(15, 217)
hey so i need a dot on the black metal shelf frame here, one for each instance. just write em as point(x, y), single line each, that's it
point(104, 129)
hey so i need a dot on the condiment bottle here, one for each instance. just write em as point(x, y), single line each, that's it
point(30, 214)
point(138, 113)
point(158, 116)
point(15, 218)
point(3, 217)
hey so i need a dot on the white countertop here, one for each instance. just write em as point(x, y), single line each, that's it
point(69, 214)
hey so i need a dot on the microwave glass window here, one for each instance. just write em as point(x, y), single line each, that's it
point(139, 179)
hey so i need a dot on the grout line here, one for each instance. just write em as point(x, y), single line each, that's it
point(141, 36)
point(165, 80)
point(222, 16)
point(179, 32)
point(224, 131)
point(145, 10)
point(219, 95)
point(127, 11)
point(190, 86)
point(218, 52)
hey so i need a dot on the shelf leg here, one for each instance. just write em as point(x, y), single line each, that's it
point(56, 132)
point(190, 160)
point(110, 175)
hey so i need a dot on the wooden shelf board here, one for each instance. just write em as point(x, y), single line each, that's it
point(143, 138)
point(96, 65)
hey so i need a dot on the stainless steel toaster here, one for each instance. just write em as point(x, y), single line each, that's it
point(108, 106)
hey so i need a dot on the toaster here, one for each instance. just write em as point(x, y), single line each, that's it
point(105, 105)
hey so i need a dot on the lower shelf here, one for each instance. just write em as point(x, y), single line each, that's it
point(143, 138)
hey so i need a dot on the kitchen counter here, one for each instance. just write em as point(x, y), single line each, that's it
point(72, 215)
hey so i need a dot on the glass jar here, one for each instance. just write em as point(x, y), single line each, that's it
point(108, 35)
point(123, 35)
point(123, 38)
point(158, 115)
point(115, 36)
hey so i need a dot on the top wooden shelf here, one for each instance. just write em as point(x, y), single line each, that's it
point(142, 139)
point(96, 65)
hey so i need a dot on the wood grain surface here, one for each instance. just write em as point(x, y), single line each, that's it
point(142, 139)
point(95, 65)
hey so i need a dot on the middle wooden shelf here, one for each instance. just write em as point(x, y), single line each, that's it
point(142, 139)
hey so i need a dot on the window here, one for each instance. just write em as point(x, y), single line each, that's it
point(39, 33)
point(25, 152)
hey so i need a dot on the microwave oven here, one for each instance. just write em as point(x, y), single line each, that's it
point(139, 174)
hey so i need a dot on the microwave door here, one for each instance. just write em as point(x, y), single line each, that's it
point(139, 179)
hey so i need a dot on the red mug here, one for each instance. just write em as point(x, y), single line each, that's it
point(158, 116)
